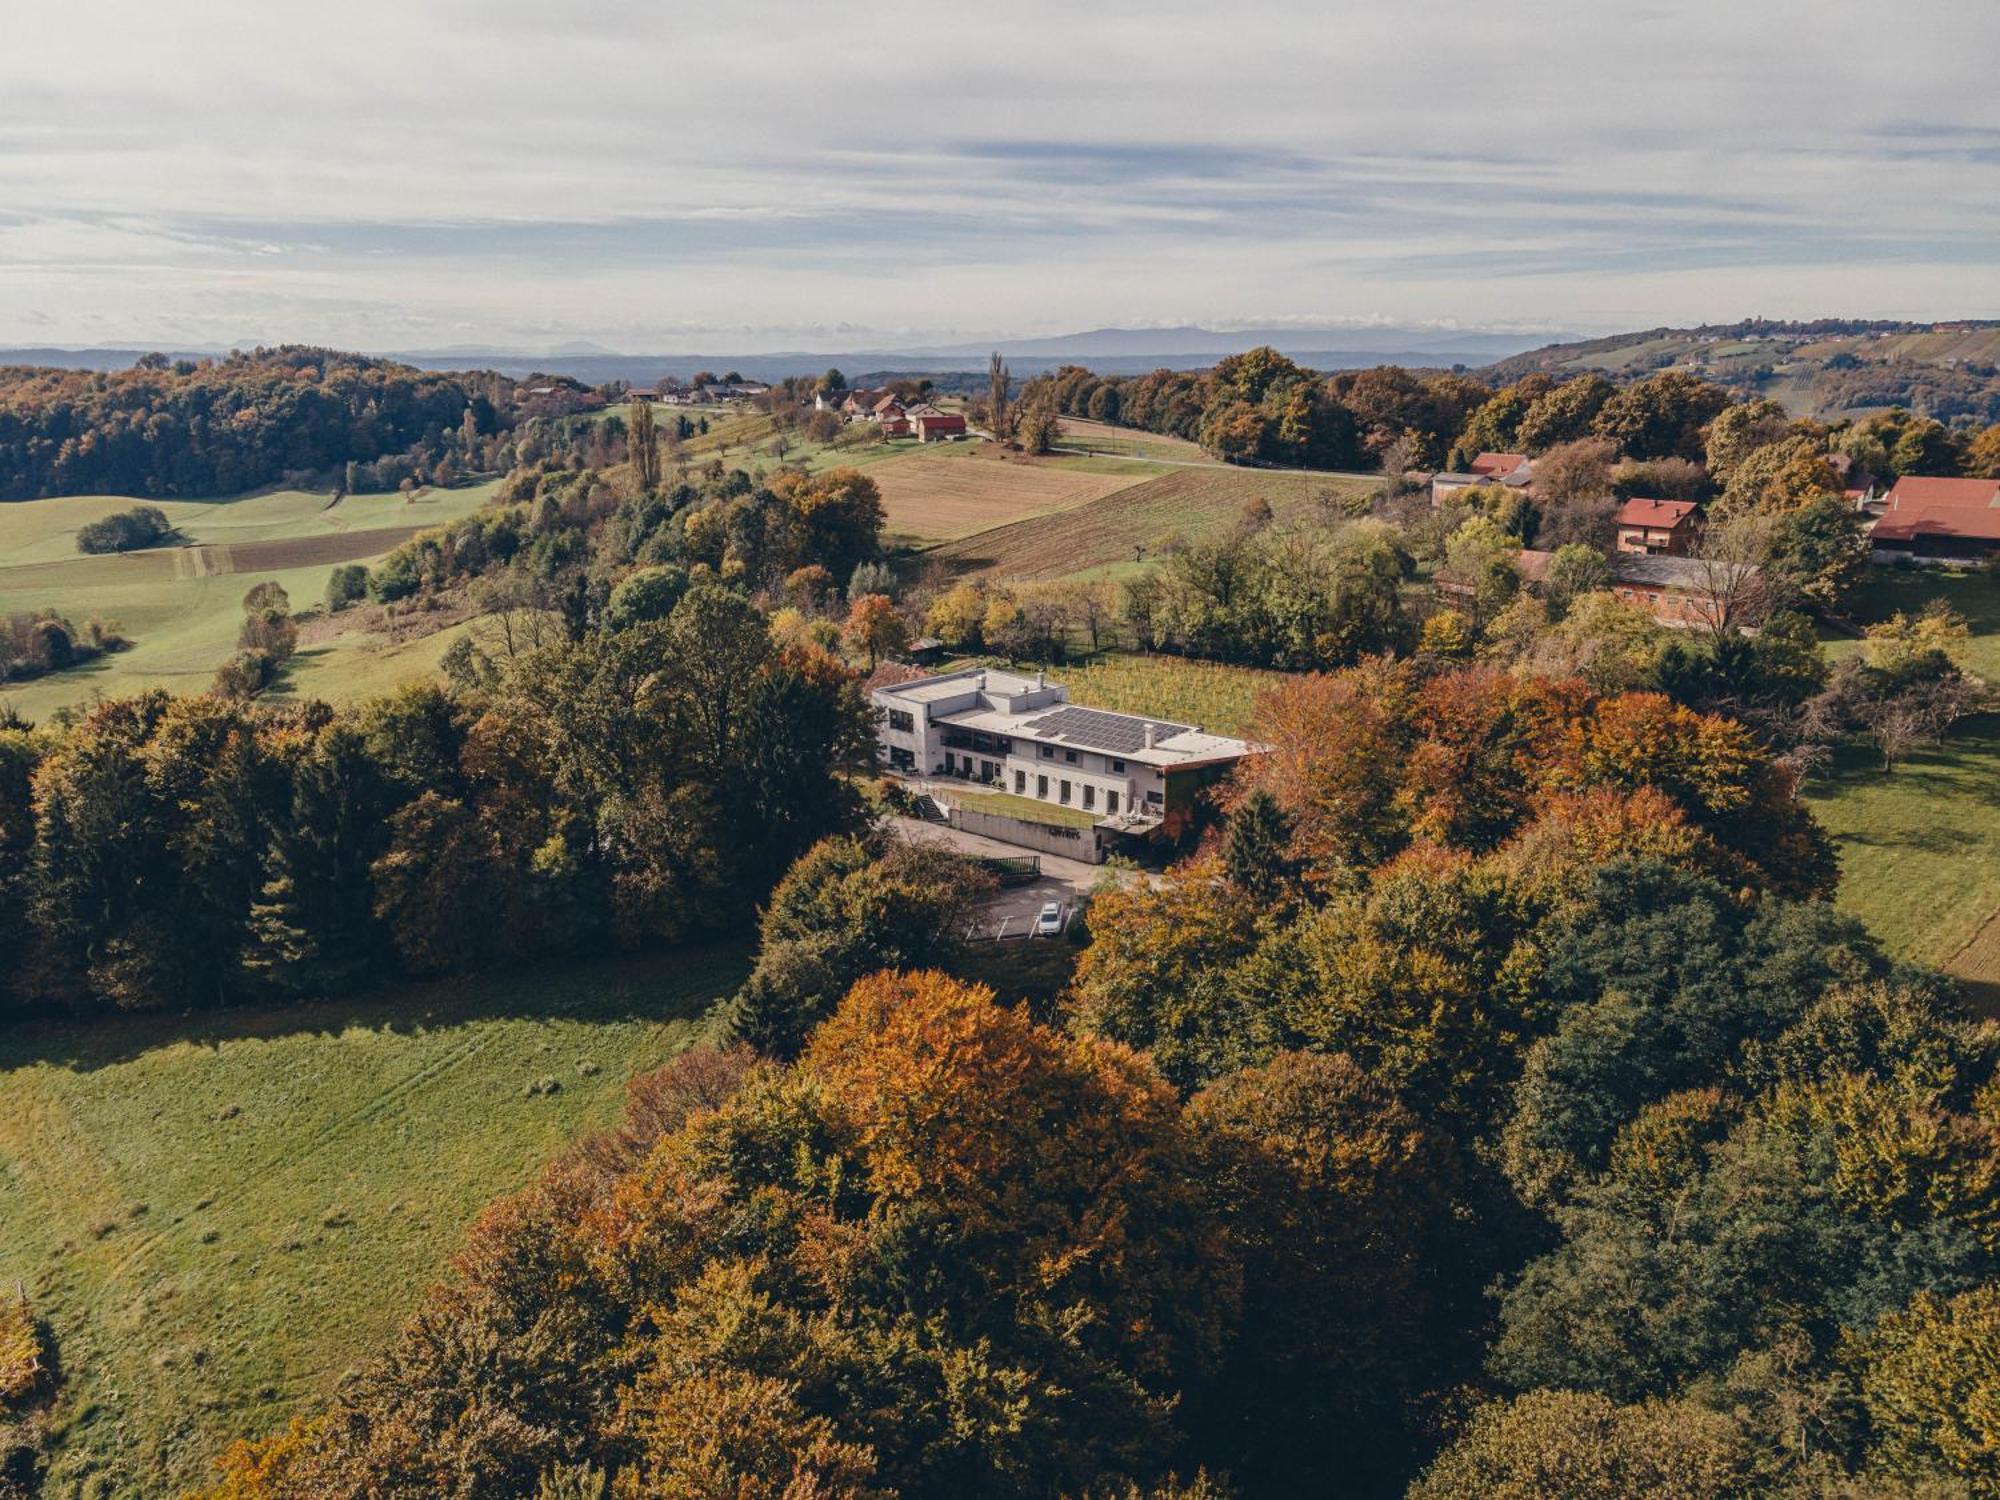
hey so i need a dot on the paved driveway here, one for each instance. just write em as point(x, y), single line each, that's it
point(1011, 911)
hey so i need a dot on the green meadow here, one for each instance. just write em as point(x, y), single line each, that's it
point(217, 1215)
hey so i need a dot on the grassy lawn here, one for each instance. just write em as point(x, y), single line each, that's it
point(1028, 809)
point(1975, 595)
point(1920, 848)
point(219, 1214)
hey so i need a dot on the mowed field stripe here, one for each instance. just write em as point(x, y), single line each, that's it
point(1189, 504)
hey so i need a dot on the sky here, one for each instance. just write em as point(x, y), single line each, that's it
point(668, 177)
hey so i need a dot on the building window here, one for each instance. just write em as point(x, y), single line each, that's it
point(1047, 753)
point(1070, 756)
point(1065, 793)
point(1118, 765)
point(899, 720)
point(1041, 786)
point(1111, 804)
point(1020, 782)
point(1154, 797)
point(1089, 796)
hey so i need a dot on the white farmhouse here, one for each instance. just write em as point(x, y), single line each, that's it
point(1017, 733)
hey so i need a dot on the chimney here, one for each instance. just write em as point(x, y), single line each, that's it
point(1038, 681)
point(1151, 730)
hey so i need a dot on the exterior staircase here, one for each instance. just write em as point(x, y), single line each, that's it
point(926, 807)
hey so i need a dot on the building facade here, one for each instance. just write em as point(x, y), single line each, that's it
point(1658, 527)
point(1018, 733)
point(1682, 591)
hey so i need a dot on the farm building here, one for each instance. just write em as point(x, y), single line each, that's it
point(1016, 733)
point(929, 425)
point(1938, 519)
point(1514, 470)
point(1658, 526)
point(1680, 591)
point(1501, 468)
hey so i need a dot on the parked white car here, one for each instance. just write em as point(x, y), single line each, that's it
point(1050, 922)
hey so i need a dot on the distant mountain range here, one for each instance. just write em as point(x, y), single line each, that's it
point(1111, 351)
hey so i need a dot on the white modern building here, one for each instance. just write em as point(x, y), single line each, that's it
point(1011, 732)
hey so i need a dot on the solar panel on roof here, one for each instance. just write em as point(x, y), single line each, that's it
point(1094, 728)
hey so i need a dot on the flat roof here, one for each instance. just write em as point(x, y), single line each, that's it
point(1071, 725)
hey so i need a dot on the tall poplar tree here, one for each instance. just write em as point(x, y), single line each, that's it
point(1001, 417)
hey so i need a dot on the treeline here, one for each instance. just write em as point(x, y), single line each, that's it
point(634, 786)
point(587, 549)
point(221, 426)
point(1495, 1109)
point(1260, 407)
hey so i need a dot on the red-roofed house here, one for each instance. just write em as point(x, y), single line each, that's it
point(1498, 466)
point(931, 425)
point(1940, 518)
point(1658, 526)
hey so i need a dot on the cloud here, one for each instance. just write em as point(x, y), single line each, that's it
point(376, 172)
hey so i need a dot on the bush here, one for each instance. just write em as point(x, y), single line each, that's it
point(128, 530)
point(345, 585)
point(23, 1363)
point(39, 642)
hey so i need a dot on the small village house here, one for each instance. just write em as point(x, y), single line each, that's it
point(1501, 468)
point(1512, 470)
point(1656, 527)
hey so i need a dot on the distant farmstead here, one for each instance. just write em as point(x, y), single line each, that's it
point(929, 425)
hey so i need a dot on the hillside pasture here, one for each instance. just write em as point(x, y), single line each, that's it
point(1131, 442)
point(942, 493)
point(45, 530)
point(219, 1215)
point(1139, 522)
point(181, 606)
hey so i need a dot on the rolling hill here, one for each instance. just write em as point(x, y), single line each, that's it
point(1827, 369)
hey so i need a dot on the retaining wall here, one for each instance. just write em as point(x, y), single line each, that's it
point(1071, 843)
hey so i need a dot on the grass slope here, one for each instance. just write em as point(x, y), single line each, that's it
point(1103, 437)
point(1920, 849)
point(218, 1215)
point(182, 606)
point(1099, 537)
point(1920, 846)
point(946, 491)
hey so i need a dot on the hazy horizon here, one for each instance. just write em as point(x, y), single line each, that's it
point(512, 176)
